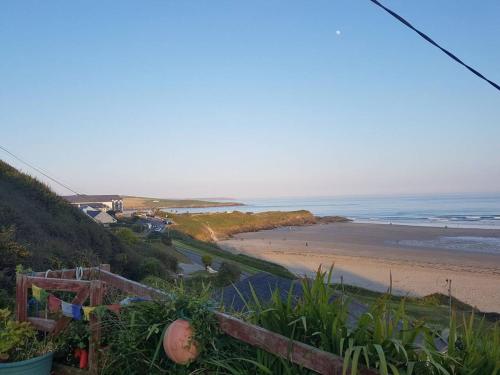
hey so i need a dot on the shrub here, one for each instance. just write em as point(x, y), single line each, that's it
point(166, 239)
point(206, 260)
point(138, 228)
point(152, 267)
point(127, 236)
point(228, 273)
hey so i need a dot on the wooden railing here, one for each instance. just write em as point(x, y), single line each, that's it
point(93, 284)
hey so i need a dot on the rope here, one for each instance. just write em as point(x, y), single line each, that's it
point(47, 273)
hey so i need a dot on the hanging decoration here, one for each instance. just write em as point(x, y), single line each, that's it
point(70, 310)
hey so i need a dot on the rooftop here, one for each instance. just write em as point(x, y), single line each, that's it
point(83, 198)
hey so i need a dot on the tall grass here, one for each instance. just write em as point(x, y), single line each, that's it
point(383, 338)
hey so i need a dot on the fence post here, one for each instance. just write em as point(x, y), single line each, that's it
point(96, 295)
point(21, 298)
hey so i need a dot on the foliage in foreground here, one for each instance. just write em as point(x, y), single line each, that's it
point(383, 338)
point(18, 340)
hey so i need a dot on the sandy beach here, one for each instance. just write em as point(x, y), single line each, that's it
point(420, 258)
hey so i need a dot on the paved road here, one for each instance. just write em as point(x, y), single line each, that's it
point(196, 258)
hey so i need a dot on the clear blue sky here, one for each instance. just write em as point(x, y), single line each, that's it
point(252, 98)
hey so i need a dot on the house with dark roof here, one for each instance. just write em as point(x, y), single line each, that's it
point(101, 217)
point(111, 202)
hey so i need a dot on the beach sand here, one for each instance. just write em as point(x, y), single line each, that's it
point(365, 254)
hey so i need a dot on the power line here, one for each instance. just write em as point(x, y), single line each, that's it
point(429, 39)
point(39, 170)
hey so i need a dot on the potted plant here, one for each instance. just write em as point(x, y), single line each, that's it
point(20, 351)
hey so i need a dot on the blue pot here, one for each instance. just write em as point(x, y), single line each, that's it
point(34, 366)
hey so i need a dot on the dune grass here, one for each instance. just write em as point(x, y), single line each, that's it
point(217, 226)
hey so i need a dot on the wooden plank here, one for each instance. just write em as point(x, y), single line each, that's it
point(21, 298)
point(57, 284)
point(297, 352)
point(68, 274)
point(80, 298)
point(130, 287)
point(46, 325)
point(96, 296)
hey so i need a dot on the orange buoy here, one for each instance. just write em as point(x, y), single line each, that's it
point(179, 343)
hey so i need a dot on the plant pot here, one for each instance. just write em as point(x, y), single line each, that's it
point(34, 366)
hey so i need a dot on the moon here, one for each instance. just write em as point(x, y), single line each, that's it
point(337, 32)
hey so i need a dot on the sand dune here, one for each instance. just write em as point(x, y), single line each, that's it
point(420, 258)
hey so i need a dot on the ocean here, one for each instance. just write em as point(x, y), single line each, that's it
point(453, 211)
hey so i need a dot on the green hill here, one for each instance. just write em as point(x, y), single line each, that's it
point(40, 230)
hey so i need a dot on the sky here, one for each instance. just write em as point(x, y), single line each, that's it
point(256, 98)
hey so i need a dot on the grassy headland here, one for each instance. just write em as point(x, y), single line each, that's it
point(216, 226)
point(141, 203)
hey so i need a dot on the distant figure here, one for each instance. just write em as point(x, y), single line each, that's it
point(306, 244)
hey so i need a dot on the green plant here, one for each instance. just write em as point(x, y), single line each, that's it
point(13, 336)
point(228, 273)
point(135, 338)
point(18, 340)
point(206, 260)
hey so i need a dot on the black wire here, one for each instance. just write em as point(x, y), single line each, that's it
point(427, 38)
point(38, 170)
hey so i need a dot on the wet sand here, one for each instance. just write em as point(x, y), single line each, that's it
point(365, 254)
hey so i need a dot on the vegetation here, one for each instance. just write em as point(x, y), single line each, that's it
point(18, 340)
point(247, 263)
point(140, 203)
point(216, 226)
point(206, 260)
point(40, 230)
point(228, 273)
point(384, 338)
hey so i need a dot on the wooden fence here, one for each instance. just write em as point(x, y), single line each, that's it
point(93, 284)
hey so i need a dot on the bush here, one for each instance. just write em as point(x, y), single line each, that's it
point(152, 267)
point(138, 228)
point(228, 273)
point(166, 239)
point(127, 236)
point(169, 261)
point(206, 260)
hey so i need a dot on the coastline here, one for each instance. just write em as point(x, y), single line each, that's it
point(365, 255)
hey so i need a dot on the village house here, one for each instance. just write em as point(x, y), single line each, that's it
point(98, 216)
point(98, 202)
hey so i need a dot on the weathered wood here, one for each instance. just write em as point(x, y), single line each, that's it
point(105, 267)
point(79, 299)
point(297, 352)
point(129, 286)
point(46, 325)
point(21, 298)
point(96, 296)
point(57, 284)
point(68, 274)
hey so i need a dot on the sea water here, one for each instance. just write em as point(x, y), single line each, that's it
point(453, 211)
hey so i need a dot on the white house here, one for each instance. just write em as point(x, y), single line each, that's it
point(101, 202)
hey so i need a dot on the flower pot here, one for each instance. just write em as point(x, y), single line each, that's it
point(34, 366)
point(179, 343)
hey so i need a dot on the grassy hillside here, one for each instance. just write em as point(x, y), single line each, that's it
point(40, 230)
point(130, 202)
point(216, 226)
